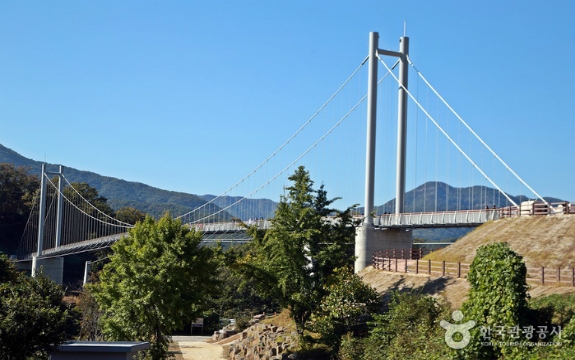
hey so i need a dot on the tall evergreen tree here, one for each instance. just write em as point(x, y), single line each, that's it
point(306, 242)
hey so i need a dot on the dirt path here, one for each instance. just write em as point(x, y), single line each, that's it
point(196, 348)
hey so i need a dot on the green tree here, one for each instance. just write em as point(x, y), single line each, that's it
point(158, 278)
point(90, 194)
point(17, 190)
point(130, 215)
point(408, 330)
point(95, 205)
point(497, 297)
point(346, 308)
point(306, 242)
point(33, 318)
point(90, 328)
point(554, 311)
point(243, 301)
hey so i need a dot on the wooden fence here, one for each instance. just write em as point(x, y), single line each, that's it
point(407, 261)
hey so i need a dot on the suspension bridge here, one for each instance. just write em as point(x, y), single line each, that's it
point(63, 222)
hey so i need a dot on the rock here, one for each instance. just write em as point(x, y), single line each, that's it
point(259, 317)
point(262, 341)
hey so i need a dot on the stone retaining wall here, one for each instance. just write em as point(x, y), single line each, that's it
point(262, 341)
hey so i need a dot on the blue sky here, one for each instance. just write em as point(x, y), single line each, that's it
point(192, 95)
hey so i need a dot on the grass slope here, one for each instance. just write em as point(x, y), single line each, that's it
point(542, 240)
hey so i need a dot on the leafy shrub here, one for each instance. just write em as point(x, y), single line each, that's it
point(410, 329)
point(33, 318)
point(346, 308)
point(497, 297)
point(211, 321)
point(351, 348)
point(555, 309)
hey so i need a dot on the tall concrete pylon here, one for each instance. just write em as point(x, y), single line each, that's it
point(53, 267)
point(369, 239)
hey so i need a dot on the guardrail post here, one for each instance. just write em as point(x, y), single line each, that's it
point(458, 269)
point(405, 265)
point(542, 275)
point(443, 268)
point(395, 264)
point(429, 266)
point(417, 266)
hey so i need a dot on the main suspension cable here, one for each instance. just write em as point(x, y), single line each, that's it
point(445, 134)
point(474, 133)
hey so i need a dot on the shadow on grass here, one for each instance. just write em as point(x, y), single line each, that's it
point(431, 286)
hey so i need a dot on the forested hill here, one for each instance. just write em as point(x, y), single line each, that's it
point(118, 192)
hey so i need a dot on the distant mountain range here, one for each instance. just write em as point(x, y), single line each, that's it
point(439, 196)
point(431, 196)
point(119, 192)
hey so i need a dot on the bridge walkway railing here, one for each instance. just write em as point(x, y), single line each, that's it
point(460, 218)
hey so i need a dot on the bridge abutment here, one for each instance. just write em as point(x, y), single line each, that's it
point(53, 268)
point(368, 240)
point(25, 266)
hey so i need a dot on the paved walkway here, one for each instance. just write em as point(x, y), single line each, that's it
point(196, 348)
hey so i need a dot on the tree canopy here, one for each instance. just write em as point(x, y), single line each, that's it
point(92, 196)
point(158, 278)
point(130, 215)
point(497, 296)
point(17, 190)
point(346, 308)
point(33, 317)
point(306, 242)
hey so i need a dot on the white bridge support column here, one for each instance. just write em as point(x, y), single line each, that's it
point(25, 266)
point(53, 268)
point(368, 239)
point(364, 239)
point(401, 126)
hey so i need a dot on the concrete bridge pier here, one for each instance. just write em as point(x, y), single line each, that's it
point(369, 239)
point(53, 268)
point(24, 266)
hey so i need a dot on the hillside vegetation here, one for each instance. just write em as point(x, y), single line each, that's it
point(119, 193)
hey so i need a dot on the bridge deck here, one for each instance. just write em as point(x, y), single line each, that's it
point(463, 218)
